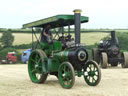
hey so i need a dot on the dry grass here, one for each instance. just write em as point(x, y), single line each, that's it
point(22, 38)
point(92, 38)
point(87, 38)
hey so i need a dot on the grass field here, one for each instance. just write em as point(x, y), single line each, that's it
point(87, 38)
point(92, 38)
point(22, 38)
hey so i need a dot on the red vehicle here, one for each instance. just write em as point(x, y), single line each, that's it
point(10, 58)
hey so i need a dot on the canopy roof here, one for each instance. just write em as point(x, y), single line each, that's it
point(55, 21)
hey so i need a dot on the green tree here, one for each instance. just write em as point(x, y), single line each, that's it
point(6, 39)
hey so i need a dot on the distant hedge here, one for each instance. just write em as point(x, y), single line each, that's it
point(123, 40)
point(25, 46)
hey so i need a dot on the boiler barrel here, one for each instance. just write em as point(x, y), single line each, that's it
point(62, 56)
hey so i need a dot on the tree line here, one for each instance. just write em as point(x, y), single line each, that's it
point(6, 39)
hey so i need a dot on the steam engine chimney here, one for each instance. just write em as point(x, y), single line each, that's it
point(113, 35)
point(77, 15)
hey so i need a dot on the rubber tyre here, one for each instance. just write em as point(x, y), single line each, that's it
point(104, 60)
point(65, 77)
point(124, 56)
point(92, 73)
point(32, 66)
point(95, 55)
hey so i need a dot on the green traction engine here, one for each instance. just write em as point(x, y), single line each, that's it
point(64, 57)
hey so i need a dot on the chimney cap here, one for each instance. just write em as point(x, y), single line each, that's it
point(77, 11)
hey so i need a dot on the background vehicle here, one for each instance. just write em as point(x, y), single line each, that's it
point(64, 57)
point(25, 55)
point(10, 58)
point(108, 52)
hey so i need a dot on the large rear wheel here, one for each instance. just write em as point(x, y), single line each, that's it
point(104, 60)
point(35, 70)
point(66, 75)
point(124, 56)
point(92, 73)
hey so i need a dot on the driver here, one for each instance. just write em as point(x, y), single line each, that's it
point(46, 35)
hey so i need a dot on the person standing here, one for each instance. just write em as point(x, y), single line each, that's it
point(46, 35)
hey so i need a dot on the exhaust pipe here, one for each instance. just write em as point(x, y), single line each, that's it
point(77, 15)
point(113, 35)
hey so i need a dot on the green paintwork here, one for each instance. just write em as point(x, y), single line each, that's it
point(53, 65)
point(62, 56)
point(55, 21)
point(49, 48)
point(66, 75)
point(35, 70)
point(56, 56)
point(56, 60)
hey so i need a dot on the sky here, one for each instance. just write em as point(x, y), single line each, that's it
point(102, 13)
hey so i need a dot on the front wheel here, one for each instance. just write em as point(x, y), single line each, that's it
point(66, 75)
point(92, 73)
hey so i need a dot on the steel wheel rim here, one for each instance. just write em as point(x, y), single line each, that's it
point(34, 67)
point(66, 75)
point(92, 74)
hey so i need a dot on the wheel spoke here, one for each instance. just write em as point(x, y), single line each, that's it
point(69, 71)
point(37, 56)
point(39, 61)
point(94, 74)
point(66, 75)
point(33, 60)
point(93, 78)
point(64, 68)
point(35, 68)
point(89, 67)
point(33, 71)
point(39, 67)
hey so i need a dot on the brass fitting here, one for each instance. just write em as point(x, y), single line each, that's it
point(77, 11)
